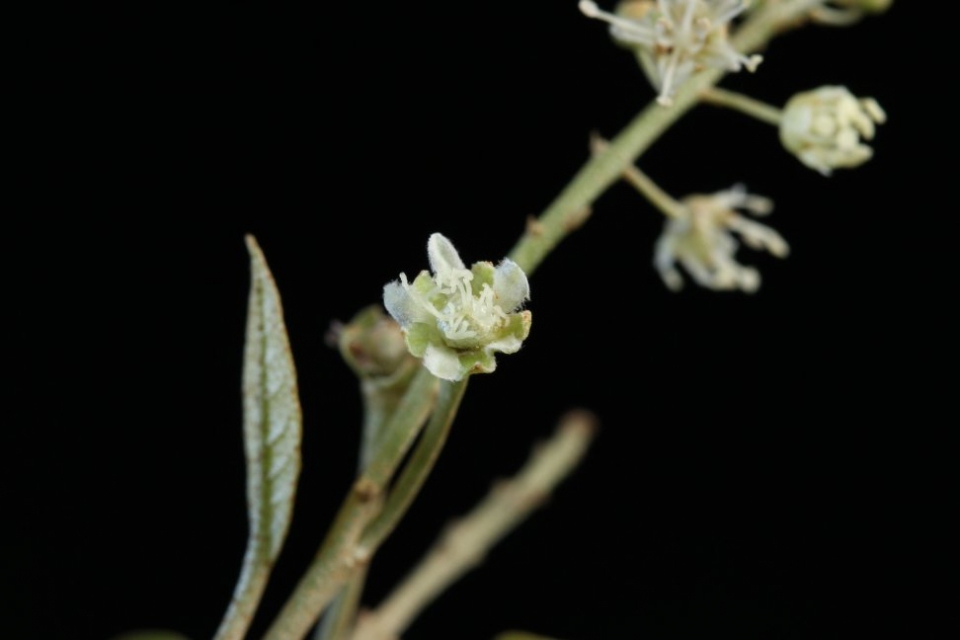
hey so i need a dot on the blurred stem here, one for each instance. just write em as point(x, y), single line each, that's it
point(337, 558)
point(572, 207)
point(465, 543)
point(744, 104)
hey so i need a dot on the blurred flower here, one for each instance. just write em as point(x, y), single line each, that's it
point(674, 39)
point(701, 239)
point(823, 128)
point(457, 318)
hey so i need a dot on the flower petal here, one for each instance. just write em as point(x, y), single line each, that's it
point(399, 304)
point(510, 285)
point(442, 254)
point(443, 363)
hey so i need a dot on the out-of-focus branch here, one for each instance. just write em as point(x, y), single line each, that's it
point(465, 543)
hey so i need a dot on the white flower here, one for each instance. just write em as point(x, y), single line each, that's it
point(702, 241)
point(457, 318)
point(824, 127)
point(675, 39)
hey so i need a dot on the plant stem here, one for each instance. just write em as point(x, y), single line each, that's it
point(415, 472)
point(644, 184)
point(465, 543)
point(744, 104)
point(572, 207)
point(338, 621)
point(337, 559)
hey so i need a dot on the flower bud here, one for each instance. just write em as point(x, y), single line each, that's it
point(824, 128)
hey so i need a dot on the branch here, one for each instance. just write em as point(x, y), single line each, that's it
point(465, 543)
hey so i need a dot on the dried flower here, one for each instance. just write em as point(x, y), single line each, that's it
point(457, 318)
point(823, 128)
point(702, 241)
point(675, 39)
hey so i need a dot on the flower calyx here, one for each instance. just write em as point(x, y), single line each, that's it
point(456, 318)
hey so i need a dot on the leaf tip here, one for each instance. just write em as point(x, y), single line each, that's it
point(252, 247)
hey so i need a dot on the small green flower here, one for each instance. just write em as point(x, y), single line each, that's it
point(457, 318)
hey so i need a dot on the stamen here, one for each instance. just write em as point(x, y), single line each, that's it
point(591, 10)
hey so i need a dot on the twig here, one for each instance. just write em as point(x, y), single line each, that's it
point(465, 543)
point(744, 104)
point(337, 558)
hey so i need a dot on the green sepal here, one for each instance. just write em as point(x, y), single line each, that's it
point(420, 334)
point(482, 274)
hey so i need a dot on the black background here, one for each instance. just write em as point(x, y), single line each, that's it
point(770, 466)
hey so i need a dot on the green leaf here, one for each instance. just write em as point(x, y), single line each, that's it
point(272, 433)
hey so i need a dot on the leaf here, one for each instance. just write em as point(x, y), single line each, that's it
point(272, 432)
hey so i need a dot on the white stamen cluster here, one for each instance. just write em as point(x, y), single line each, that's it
point(675, 39)
point(464, 316)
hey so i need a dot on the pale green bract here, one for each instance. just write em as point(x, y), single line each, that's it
point(456, 318)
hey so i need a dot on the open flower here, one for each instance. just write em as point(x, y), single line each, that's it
point(675, 39)
point(457, 318)
point(824, 127)
point(701, 239)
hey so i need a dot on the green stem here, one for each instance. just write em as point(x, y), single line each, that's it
point(744, 104)
point(381, 396)
point(572, 207)
point(645, 185)
point(415, 472)
point(337, 559)
point(401, 496)
point(340, 617)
